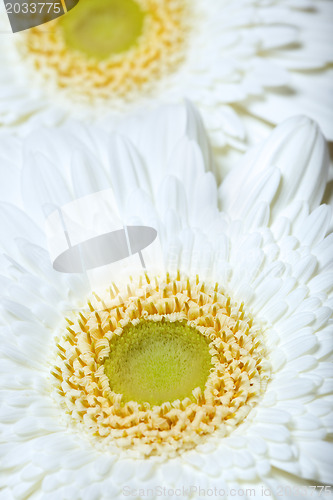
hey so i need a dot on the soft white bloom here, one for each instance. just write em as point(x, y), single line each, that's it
point(268, 246)
point(246, 64)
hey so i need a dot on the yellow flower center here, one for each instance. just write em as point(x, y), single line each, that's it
point(161, 365)
point(155, 362)
point(114, 50)
point(100, 28)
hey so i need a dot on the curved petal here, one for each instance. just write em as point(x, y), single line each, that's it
point(299, 151)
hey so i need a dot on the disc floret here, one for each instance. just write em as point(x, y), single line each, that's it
point(232, 380)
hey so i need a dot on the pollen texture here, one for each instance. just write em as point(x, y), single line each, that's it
point(159, 365)
point(115, 50)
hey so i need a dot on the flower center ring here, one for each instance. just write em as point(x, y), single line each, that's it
point(160, 366)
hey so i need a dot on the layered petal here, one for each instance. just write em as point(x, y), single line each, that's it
point(290, 167)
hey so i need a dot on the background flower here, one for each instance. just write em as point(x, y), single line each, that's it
point(269, 246)
point(247, 64)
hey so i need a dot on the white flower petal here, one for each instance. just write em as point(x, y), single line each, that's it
point(86, 178)
point(299, 151)
point(321, 455)
point(42, 185)
point(14, 223)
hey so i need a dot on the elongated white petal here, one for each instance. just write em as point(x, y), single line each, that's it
point(126, 168)
point(299, 152)
point(42, 185)
point(86, 178)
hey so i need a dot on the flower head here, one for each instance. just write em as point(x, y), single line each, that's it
point(263, 418)
point(267, 60)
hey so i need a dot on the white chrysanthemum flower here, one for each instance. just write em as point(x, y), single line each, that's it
point(261, 425)
point(268, 60)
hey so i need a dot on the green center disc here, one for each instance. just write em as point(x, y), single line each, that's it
point(156, 362)
point(100, 28)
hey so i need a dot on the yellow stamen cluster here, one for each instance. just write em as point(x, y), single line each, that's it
point(157, 53)
point(238, 377)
